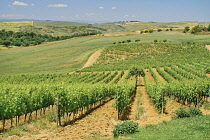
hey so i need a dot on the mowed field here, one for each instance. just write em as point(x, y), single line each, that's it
point(72, 54)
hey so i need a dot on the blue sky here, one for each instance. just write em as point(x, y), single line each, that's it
point(106, 10)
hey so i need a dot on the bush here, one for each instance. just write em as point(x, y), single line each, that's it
point(193, 111)
point(125, 128)
point(164, 40)
point(189, 112)
point(208, 70)
point(155, 41)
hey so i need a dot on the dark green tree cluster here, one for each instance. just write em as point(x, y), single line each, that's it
point(23, 39)
point(197, 29)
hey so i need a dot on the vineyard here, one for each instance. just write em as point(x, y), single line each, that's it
point(78, 93)
point(169, 71)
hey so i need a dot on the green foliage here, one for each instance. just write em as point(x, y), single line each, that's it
point(137, 40)
point(189, 112)
point(26, 38)
point(193, 128)
point(208, 70)
point(128, 41)
point(148, 30)
point(123, 95)
point(134, 71)
point(186, 29)
point(125, 127)
point(155, 41)
point(142, 55)
point(164, 40)
point(208, 28)
point(198, 28)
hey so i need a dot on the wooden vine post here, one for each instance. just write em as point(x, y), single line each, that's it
point(58, 116)
point(162, 101)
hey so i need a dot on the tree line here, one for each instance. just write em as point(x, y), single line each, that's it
point(24, 39)
point(197, 29)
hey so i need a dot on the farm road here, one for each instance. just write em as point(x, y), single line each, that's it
point(93, 58)
point(208, 47)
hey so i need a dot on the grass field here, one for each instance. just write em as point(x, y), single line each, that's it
point(14, 26)
point(135, 26)
point(193, 129)
point(72, 54)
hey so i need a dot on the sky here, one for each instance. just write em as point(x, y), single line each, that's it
point(107, 10)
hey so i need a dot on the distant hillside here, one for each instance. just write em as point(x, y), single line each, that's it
point(65, 28)
point(111, 27)
point(135, 26)
point(58, 23)
point(15, 20)
point(62, 28)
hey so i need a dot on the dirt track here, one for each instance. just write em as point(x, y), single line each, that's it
point(93, 58)
point(208, 47)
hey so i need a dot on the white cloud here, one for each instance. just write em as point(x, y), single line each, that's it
point(15, 16)
point(126, 15)
point(113, 8)
point(60, 17)
point(90, 14)
point(101, 7)
point(133, 16)
point(32, 4)
point(19, 3)
point(58, 5)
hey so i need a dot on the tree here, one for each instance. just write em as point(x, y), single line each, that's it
point(155, 41)
point(128, 41)
point(137, 40)
point(6, 43)
point(208, 28)
point(159, 30)
point(198, 28)
point(186, 29)
point(164, 40)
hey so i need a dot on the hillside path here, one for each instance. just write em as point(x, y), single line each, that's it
point(208, 47)
point(93, 58)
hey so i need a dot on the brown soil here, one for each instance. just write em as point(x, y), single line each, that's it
point(208, 47)
point(149, 75)
point(160, 77)
point(93, 58)
point(123, 77)
point(99, 123)
point(150, 115)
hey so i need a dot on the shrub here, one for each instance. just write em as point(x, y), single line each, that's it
point(164, 40)
point(189, 112)
point(155, 41)
point(208, 70)
point(125, 128)
point(193, 111)
point(181, 113)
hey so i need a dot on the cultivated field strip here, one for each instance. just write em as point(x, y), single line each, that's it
point(70, 94)
point(188, 84)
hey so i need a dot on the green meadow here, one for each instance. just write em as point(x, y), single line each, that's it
point(196, 128)
point(70, 55)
